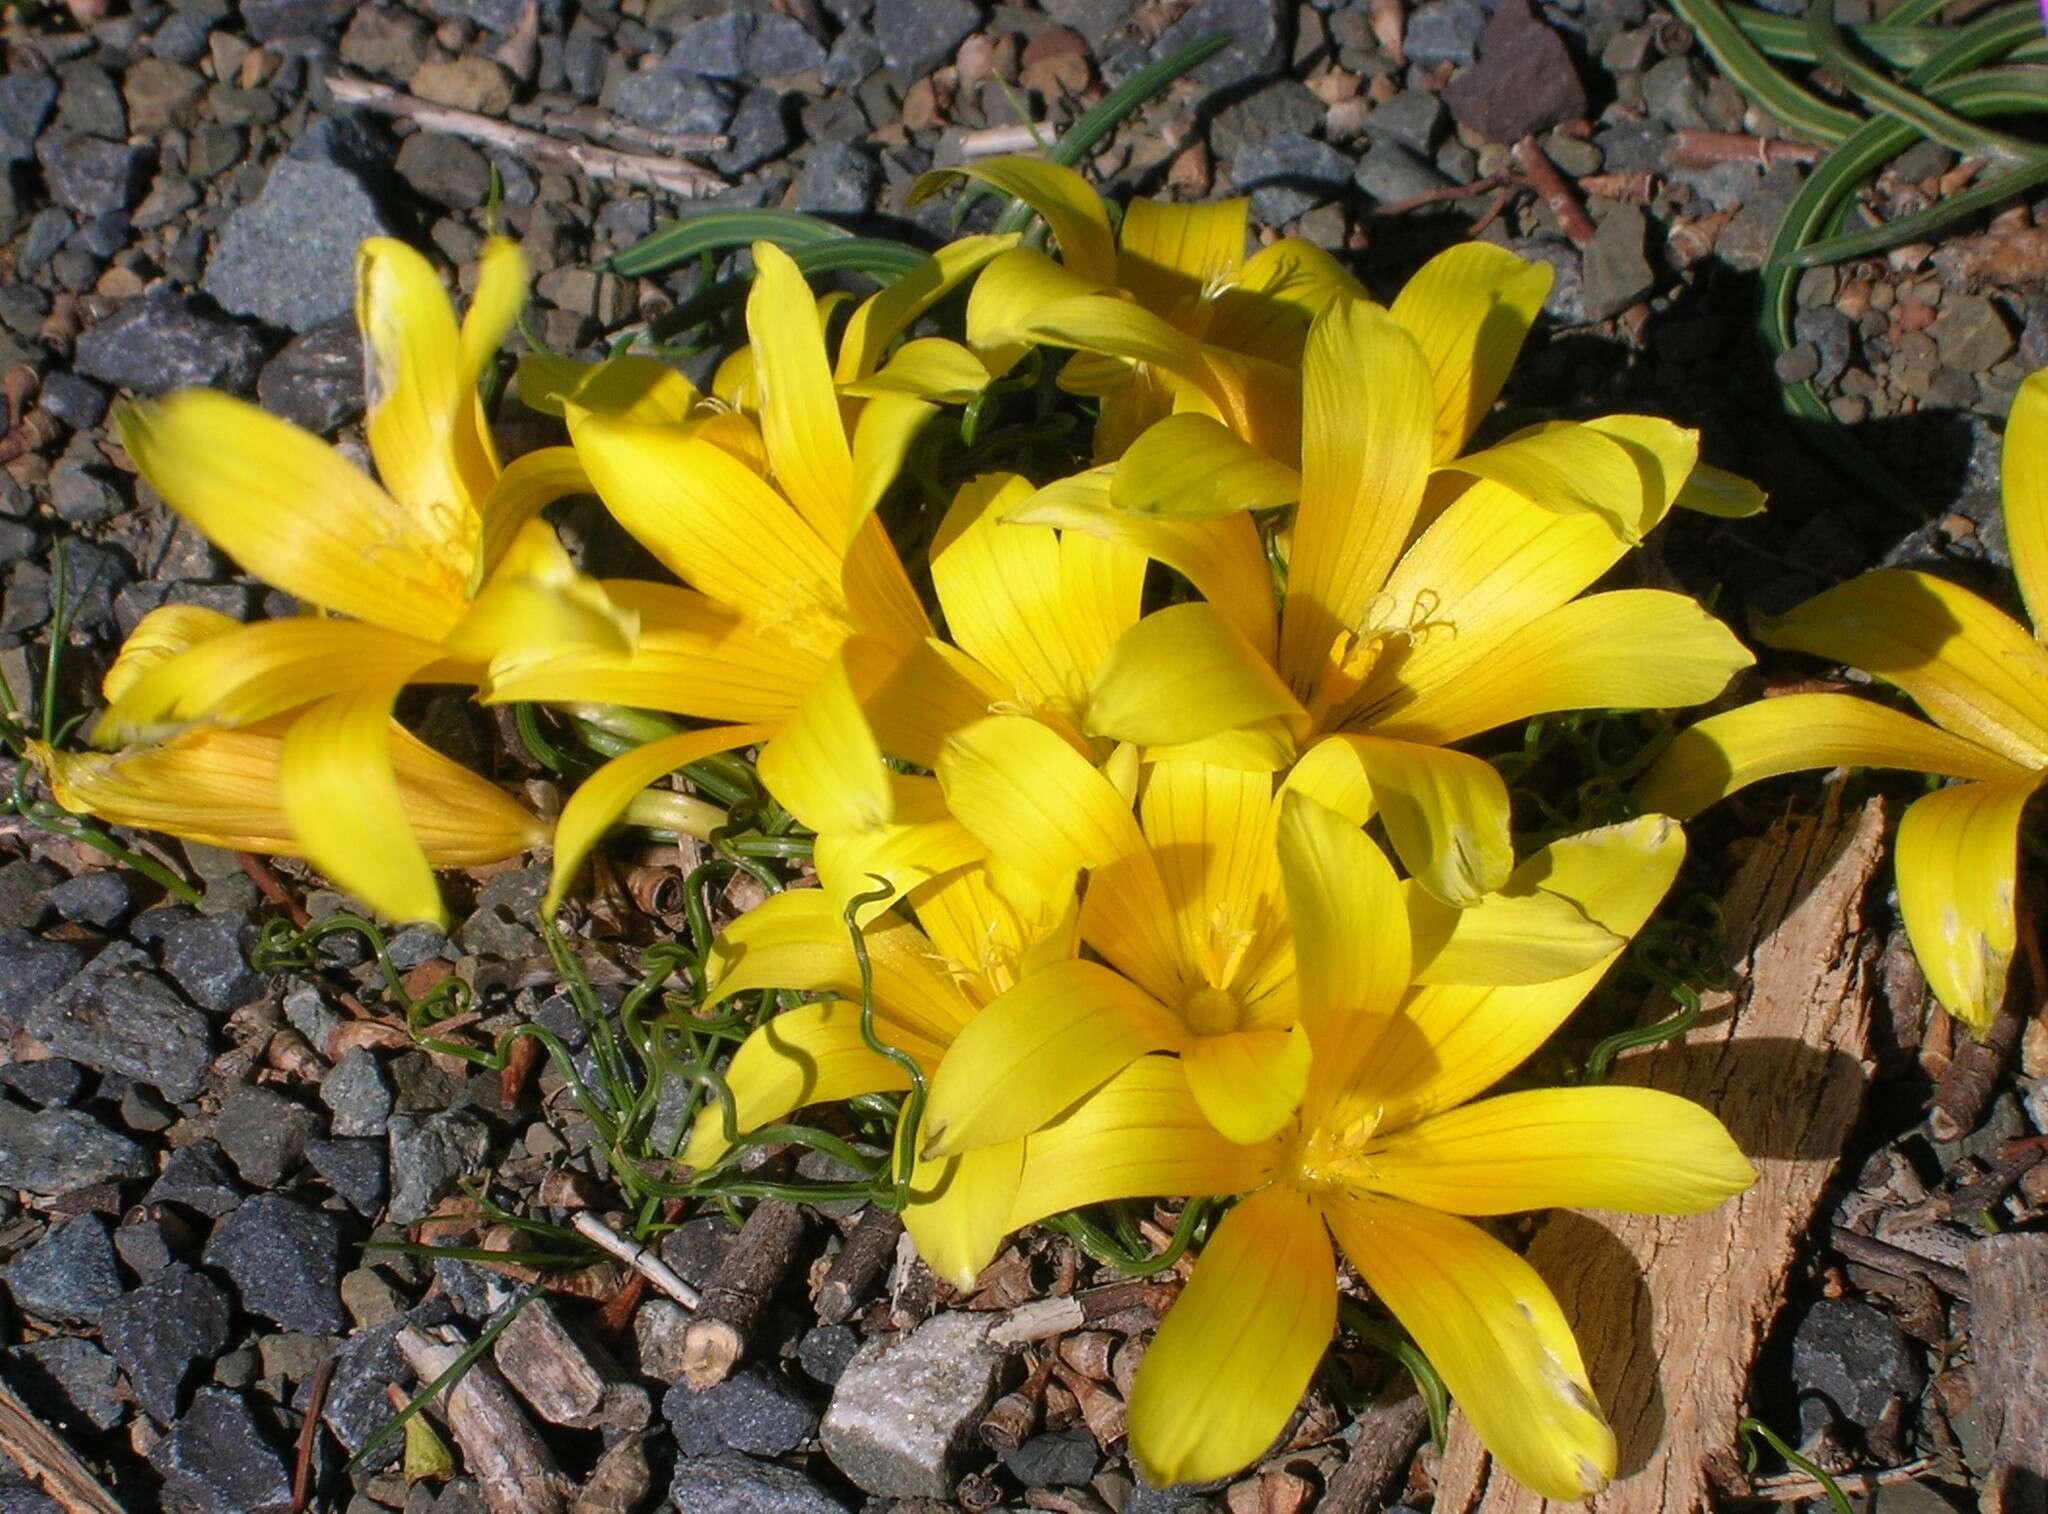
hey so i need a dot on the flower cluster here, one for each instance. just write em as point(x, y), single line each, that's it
point(1142, 781)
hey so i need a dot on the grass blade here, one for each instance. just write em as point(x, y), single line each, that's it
point(716, 231)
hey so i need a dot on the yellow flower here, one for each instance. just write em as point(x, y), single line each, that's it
point(1166, 314)
point(1183, 904)
point(441, 575)
point(929, 983)
point(1387, 1155)
point(1983, 682)
point(771, 528)
point(1429, 596)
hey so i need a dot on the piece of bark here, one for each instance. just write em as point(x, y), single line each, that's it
point(1377, 1468)
point(2009, 1375)
point(1996, 259)
point(500, 1447)
point(561, 1380)
point(48, 1462)
point(1963, 1096)
point(752, 1269)
point(1669, 1312)
point(869, 1249)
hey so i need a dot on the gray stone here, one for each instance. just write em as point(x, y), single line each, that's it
point(745, 43)
point(1259, 36)
point(25, 885)
point(275, 20)
point(1414, 118)
point(1525, 79)
point(1284, 107)
point(31, 969)
point(99, 899)
point(1849, 1363)
point(89, 101)
point(80, 497)
point(20, 1496)
point(356, 1408)
point(182, 38)
point(159, 1331)
point(1443, 31)
point(1389, 173)
point(1065, 1460)
point(56, 1151)
point(118, 1016)
point(203, 953)
point(1290, 175)
point(161, 94)
point(70, 1383)
point(166, 341)
point(445, 170)
point(91, 175)
point(307, 1012)
point(759, 132)
point(1673, 95)
point(734, 1484)
point(197, 1177)
point(357, 1095)
point(70, 1275)
point(49, 1084)
point(1832, 336)
point(384, 40)
point(74, 401)
point(1970, 333)
point(142, 1245)
point(824, 1352)
point(1797, 363)
point(1616, 272)
point(854, 56)
point(906, 1409)
point(428, 1155)
point(288, 257)
point(354, 1169)
point(1565, 303)
point(1633, 146)
point(672, 101)
point(753, 1411)
point(216, 1459)
point(916, 36)
point(285, 1262)
point(316, 381)
point(264, 1134)
point(837, 179)
point(25, 101)
point(499, 16)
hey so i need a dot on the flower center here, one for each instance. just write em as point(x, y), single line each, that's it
point(1211, 1011)
point(1337, 1151)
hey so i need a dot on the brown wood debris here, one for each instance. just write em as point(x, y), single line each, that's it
point(1670, 1311)
point(2009, 1345)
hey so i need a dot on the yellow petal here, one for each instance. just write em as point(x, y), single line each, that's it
point(1364, 460)
point(1014, 287)
point(1040, 611)
point(882, 317)
point(936, 690)
point(1140, 1135)
point(1223, 559)
point(1567, 468)
point(1716, 491)
point(1449, 1043)
point(606, 793)
point(501, 274)
point(420, 383)
point(341, 799)
point(1210, 830)
point(538, 608)
point(1248, 1082)
point(630, 386)
point(1181, 674)
point(1267, 310)
point(922, 842)
point(1956, 854)
point(251, 672)
point(1630, 649)
point(928, 367)
point(1331, 774)
point(220, 787)
point(1666, 456)
point(1531, 936)
point(1235, 1353)
point(989, 939)
point(713, 522)
point(1070, 209)
point(1970, 666)
point(1190, 467)
point(824, 766)
point(1446, 814)
point(527, 486)
point(878, 593)
point(1168, 255)
point(1469, 309)
point(1034, 800)
point(1732, 750)
point(157, 638)
point(693, 656)
point(812, 1055)
point(290, 510)
point(1351, 946)
point(1492, 1328)
point(1632, 1149)
point(959, 1209)
point(1059, 1034)
point(799, 407)
point(2025, 482)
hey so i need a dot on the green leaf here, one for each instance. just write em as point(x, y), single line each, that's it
point(715, 231)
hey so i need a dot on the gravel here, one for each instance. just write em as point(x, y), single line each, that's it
point(162, 1330)
point(119, 1016)
point(285, 1262)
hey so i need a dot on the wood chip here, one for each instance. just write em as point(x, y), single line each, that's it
point(1670, 1311)
point(49, 1463)
point(500, 1447)
point(2009, 1344)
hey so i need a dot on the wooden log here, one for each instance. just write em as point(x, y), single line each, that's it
point(869, 1249)
point(2009, 1371)
point(1377, 1468)
point(49, 1463)
point(1669, 1312)
point(747, 1278)
point(499, 1444)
